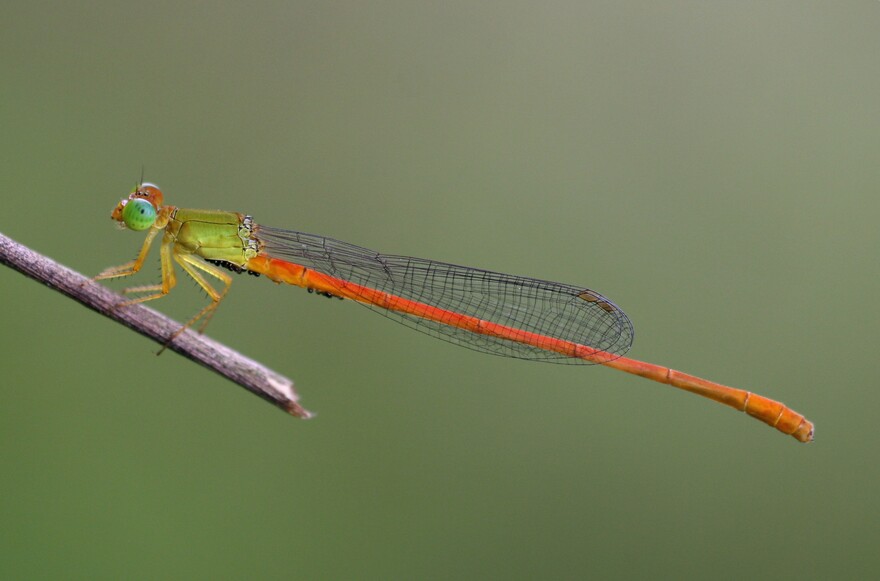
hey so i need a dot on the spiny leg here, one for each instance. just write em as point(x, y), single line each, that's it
point(169, 280)
point(129, 268)
point(192, 265)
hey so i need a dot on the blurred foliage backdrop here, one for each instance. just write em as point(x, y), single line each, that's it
point(710, 166)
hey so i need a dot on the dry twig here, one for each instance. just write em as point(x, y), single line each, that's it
point(242, 370)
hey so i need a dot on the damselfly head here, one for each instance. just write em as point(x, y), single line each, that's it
point(139, 210)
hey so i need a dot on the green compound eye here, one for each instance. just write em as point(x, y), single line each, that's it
point(138, 214)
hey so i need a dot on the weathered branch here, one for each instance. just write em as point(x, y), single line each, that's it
point(244, 371)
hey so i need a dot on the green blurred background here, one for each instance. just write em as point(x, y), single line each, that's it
point(711, 167)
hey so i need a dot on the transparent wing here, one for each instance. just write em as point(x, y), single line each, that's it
point(527, 305)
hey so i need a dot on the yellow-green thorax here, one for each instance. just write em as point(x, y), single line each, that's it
point(212, 234)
